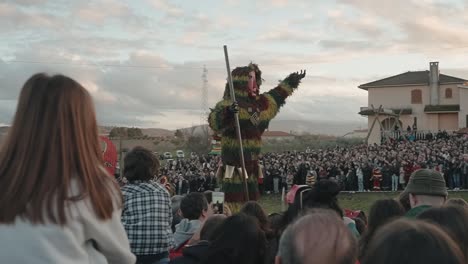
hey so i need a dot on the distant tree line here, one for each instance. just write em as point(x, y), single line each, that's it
point(301, 143)
point(186, 140)
point(200, 143)
point(126, 132)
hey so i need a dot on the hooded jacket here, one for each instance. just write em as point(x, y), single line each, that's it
point(185, 230)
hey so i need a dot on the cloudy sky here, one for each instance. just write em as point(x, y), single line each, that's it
point(142, 60)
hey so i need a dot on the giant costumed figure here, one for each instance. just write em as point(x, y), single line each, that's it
point(255, 112)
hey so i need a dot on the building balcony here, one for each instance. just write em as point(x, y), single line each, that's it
point(367, 111)
point(434, 109)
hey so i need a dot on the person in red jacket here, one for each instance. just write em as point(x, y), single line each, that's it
point(416, 167)
point(376, 178)
point(408, 167)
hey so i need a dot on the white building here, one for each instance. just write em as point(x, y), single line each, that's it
point(425, 100)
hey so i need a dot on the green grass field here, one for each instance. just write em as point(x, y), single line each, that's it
point(353, 201)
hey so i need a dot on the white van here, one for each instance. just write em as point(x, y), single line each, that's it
point(180, 154)
point(167, 155)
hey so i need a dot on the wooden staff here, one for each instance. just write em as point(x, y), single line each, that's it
point(236, 117)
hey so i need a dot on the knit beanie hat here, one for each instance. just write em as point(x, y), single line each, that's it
point(427, 182)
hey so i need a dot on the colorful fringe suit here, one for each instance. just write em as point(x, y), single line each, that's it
point(255, 113)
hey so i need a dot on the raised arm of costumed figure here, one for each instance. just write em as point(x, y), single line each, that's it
point(276, 97)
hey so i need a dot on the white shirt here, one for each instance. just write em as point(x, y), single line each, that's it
point(84, 239)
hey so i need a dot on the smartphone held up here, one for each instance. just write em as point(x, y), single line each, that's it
point(218, 202)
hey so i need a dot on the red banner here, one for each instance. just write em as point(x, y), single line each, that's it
point(109, 152)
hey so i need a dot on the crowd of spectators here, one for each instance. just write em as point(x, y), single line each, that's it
point(194, 174)
point(385, 167)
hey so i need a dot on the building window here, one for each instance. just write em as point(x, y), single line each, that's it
point(416, 97)
point(448, 93)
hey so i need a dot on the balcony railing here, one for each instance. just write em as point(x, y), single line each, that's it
point(367, 111)
point(412, 135)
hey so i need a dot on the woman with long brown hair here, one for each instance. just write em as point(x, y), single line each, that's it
point(57, 202)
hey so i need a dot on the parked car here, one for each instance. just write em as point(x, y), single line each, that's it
point(167, 155)
point(180, 154)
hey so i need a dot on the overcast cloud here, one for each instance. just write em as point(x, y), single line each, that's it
point(143, 60)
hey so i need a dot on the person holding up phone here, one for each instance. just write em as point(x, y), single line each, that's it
point(218, 202)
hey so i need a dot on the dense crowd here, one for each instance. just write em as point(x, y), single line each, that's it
point(377, 167)
point(385, 167)
point(59, 205)
point(196, 174)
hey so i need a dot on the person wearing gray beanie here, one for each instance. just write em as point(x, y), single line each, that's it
point(426, 188)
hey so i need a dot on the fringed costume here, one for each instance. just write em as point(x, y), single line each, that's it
point(255, 112)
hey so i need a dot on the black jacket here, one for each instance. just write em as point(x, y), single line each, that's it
point(192, 254)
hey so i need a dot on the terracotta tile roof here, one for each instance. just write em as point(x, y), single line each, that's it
point(411, 78)
point(361, 131)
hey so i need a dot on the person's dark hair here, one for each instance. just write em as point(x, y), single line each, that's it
point(255, 210)
point(360, 225)
point(404, 200)
point(381, 212)
point(294, 209)
point(176, 217)
point(53, 143)
point(332, 243)
point(209, 196)
point(193, 205)
point(210, 226)
point(276, 223)
point(362, 215)
point(453, 220)
point(457, 202)
point(409, 241)
point(175, 203)
point(140, 164)
point(323, 195)
point(239, 239)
